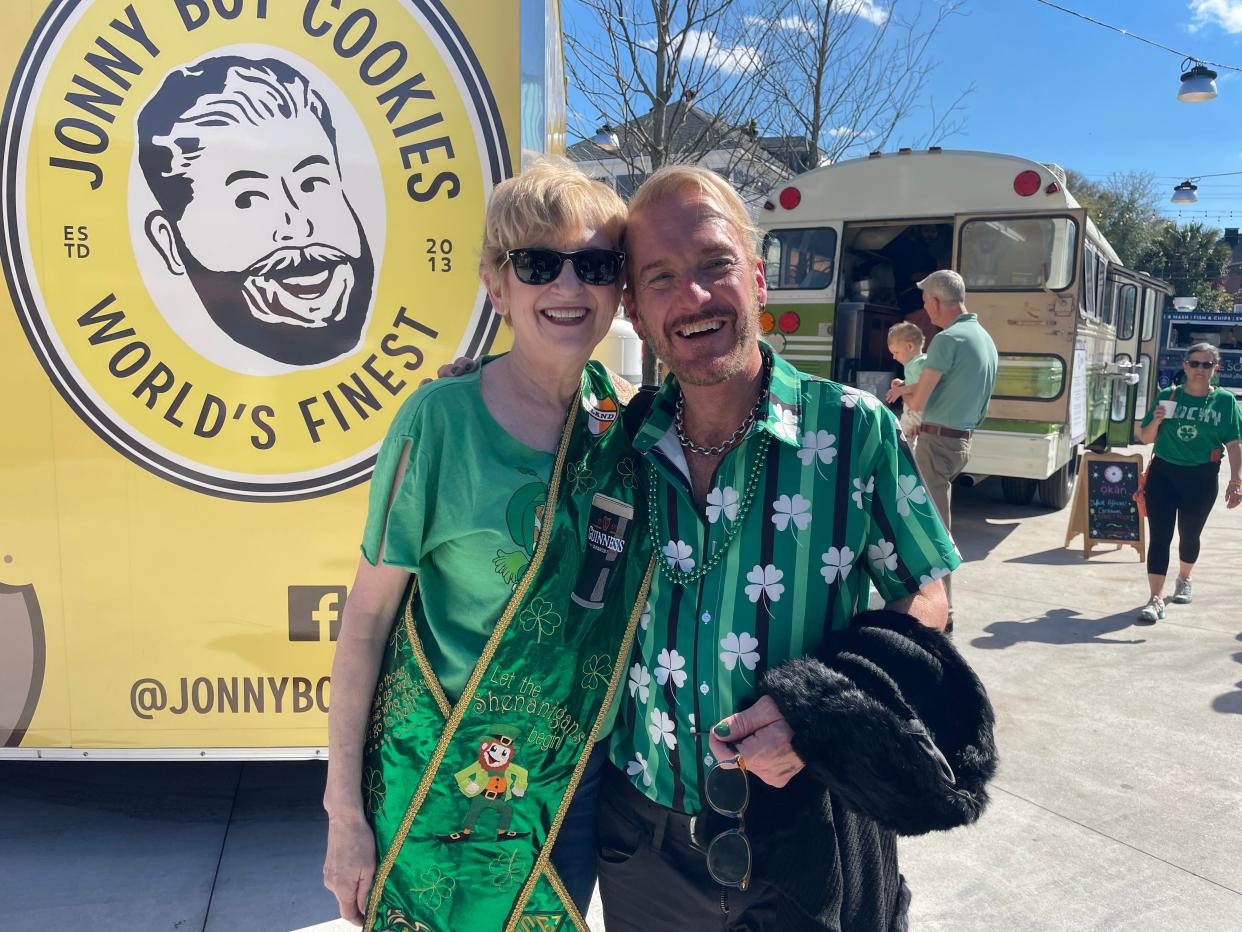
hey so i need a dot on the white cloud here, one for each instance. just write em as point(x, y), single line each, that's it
point(1224, 13)
point(868, 10)
point(738, 59)
point(839, 131)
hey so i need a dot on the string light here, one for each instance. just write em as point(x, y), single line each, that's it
point(1132, 35)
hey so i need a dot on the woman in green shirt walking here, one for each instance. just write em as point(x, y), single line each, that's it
point(1189, 423)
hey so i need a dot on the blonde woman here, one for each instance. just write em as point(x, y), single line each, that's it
point(496, 598)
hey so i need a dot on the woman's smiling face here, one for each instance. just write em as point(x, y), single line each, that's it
point(564, 320)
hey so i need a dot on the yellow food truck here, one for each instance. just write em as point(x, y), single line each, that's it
point(237, 234)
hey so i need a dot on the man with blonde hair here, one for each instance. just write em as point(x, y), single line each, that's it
point(775, 735)
point(952, 393)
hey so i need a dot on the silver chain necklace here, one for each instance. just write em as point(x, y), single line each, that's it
point(679, 421)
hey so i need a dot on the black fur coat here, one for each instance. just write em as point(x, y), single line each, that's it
point(896, 733)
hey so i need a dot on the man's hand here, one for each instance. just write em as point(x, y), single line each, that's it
point(762, 736)
point(462, 365)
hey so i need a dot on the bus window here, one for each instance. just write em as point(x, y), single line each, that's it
point(1086, 290)
point(1101, 274)
point(1019, 376)
point(1106, 309)
point(1121, 391)
point(1144, 387)
point(800, 258)
point(1019, 253)
point(1125, 320)
point(1151, 313)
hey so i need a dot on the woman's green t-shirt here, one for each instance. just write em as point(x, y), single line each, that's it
point(464, 517)
point(1200, 425)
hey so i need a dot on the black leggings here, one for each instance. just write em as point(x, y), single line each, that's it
point(1181, 494)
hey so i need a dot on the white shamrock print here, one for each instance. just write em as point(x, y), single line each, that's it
point(796, 509)
point(849, 397)
point(640, 682)
point(765, 581)
point(677, 552)
point(837, 564)
point(861, 490)
point(818, 443)
point(639, 766)
point(938, 572)
point(787, 427)
point(661, 729)
point(739, 647)
point(669, 667)
point(909, 490)
point(882, 556)
point(645, 618)
point(722, 501)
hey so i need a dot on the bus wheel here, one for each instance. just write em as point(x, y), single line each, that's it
point(1017, 491)
point(1056, 491)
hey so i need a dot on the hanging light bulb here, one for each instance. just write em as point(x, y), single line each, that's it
point(1184, 193)
point(1198, 84)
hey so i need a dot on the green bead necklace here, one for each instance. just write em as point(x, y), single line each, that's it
point(682, 577)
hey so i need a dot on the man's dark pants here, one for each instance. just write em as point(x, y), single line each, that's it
point(653, 876)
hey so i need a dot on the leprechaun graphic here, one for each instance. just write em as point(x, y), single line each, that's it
point(490, 783)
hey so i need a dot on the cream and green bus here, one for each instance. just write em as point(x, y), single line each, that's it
point(847, 243)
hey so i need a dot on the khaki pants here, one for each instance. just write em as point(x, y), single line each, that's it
point(941, 460)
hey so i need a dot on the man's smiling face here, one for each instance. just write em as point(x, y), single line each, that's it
point(695, 288)
point(270, 241)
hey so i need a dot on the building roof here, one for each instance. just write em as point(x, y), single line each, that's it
point(694, 131)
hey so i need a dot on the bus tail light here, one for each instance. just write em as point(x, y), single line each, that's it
point(766, 321)
point(1027, 183)
point(790, 198)
point(790, 322)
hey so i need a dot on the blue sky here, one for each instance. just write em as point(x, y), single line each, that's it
point(1055, 88)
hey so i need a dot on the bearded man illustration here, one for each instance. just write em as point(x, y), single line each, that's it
point(241, 156)
point(490, 782)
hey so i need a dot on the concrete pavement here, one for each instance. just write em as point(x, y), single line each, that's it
point(1118, 805)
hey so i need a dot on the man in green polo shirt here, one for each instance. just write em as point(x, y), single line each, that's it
point(775, 500)
point(952, 393)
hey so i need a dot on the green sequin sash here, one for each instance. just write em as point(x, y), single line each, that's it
point(466, 800)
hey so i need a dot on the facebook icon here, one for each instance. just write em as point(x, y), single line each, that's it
point(313, 607)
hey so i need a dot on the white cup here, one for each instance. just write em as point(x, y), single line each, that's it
point(1170, 407)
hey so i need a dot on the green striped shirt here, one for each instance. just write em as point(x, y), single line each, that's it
point(838, 504)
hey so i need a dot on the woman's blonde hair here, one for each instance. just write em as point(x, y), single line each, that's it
point(547, 202)
point(674, 179)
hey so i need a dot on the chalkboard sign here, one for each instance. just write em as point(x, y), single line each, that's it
point(1104, 510)
point(1111, 511)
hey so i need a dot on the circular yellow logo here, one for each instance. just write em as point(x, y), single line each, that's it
point(239, 233)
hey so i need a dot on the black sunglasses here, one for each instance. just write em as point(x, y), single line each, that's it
point(729, 857)
point(1201, 363)
point(540, 266)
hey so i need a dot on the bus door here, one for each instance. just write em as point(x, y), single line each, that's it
point(800, 266)
point(1148, 353)
point(1133, 296)
point(1022, 274)
point(881, 264)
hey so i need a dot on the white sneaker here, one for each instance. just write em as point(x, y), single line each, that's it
point(1153, 611)
point(1184, 593)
